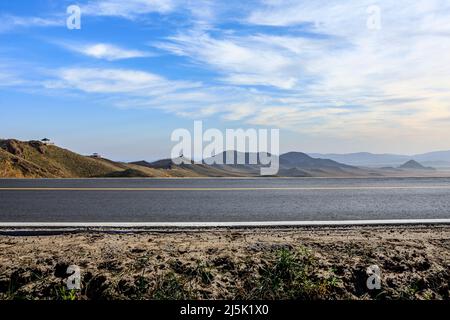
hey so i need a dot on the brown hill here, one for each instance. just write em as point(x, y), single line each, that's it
point(189, 169)
point(34, 159)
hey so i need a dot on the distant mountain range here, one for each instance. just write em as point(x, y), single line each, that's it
point(37, 159)
point(437, 159)
point(292, 164)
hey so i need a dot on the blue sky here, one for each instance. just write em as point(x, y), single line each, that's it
point(321, 71)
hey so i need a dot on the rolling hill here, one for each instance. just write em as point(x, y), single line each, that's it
point(34, 159)
point(292, 164)
point(189, 169)
point(300, 164)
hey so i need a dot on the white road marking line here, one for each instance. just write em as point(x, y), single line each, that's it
point(218, 224)
point(224, 188)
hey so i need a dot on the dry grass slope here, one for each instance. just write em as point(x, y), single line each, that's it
point(34, 159)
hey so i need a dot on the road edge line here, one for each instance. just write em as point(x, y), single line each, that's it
point(243, 224)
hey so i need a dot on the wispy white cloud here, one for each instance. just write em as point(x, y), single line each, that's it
point(116, 81)
point(202, 13)
point(126, 88)
point(106, 51)
point(8, 77)
point(241, 60)
point(127, 9)
point(11, 22)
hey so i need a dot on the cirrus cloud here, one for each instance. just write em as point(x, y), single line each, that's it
point(106, 51)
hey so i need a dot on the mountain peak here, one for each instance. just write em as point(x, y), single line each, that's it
point(412, 164)
point(300, 159)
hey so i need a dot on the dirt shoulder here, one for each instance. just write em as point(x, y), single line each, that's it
point(289, 263)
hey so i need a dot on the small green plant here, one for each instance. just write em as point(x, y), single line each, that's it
point(141, 285)
point(409, 292)
point(428, 295)
point(170, 287)
point(65, 294)
point(334, 281)
point(291, 275)
point(203, 271)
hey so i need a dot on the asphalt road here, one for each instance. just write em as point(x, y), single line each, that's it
point(223, 200)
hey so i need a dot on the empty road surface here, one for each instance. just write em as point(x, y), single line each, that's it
point(222, 200)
